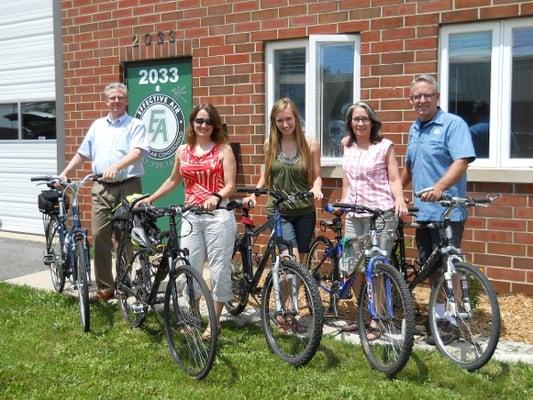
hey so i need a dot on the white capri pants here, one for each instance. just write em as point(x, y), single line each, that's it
point(212, 238)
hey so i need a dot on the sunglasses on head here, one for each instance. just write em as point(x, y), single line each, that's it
point(201, 121)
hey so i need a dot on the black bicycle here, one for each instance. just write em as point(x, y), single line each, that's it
point(463, 310)
point(385, 316)
point(146, 256)
point(291, 311)
point(67, 248)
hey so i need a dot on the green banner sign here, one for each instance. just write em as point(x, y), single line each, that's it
point(160, 94)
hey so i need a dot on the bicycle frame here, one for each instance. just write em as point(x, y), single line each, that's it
point(371, 255)
point(245, 246)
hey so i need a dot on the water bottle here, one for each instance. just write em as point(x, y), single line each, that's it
point(347, 261)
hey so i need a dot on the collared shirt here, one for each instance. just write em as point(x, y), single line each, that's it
point(431, 149)
point(367, 176)
point(108, 141)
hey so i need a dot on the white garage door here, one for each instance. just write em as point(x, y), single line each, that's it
point(27, 110)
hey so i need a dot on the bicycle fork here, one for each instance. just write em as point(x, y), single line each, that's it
point(452, 308)
point(372, 309)
point(278, 290)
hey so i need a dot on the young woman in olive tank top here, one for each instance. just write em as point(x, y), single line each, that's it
point(292, 164)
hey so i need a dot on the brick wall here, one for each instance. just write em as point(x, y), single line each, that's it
point(226, 41)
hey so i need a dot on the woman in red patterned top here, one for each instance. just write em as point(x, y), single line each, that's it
point(207, 166)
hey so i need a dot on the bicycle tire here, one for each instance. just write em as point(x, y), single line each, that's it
point(238, 285)
point(130, 283)
point(186, 316)
point(82, 283)
point(54, 252)
point(321, 267)
point(292, 334)
point(388, 337)
point(467, 338)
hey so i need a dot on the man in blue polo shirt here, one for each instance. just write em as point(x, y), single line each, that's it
point(439, 150)
point(115, 145)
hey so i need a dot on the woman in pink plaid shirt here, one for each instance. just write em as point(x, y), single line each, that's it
point(371, 177)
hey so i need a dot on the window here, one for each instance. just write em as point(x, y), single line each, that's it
point(38, 121)
point(321, 75)
point(486, 73)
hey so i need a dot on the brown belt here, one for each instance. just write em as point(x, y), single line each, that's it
point(111, 184)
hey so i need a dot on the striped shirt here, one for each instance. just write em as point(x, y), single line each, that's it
point(367, 176)
point(202, 175)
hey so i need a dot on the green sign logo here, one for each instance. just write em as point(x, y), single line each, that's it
point(165, 121)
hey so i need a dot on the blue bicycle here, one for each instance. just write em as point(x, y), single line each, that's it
point(385, 317)
point(67, 248)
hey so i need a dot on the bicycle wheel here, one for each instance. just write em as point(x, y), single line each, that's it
point(131, 291)
point(291, 313)
point(188, 312)
point(53, 257)
point(238, 285)
point(386, 320)
point(466, 328)
point(320, 263)
point(82, 283)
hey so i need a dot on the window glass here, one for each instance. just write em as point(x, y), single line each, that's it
point(522, 94)
point(290, 76)
point(335, 66)
point(469, 84)
point(38, 120)
point(8, 121)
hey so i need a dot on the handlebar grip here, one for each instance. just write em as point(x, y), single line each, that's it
point(422, 191)
point(483, 200)
point(40, 178)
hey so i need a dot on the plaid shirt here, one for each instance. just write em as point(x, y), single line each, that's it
point(367, 176)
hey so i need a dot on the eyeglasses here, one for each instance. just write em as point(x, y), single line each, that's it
point(116, 98)
point(201, 121)
point(425, 96)
point(363, 120)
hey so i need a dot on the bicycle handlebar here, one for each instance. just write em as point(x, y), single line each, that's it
point(279, 196)
point(345, 207)
point(449, 201)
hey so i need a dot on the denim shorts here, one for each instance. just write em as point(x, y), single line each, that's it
point(298, 230)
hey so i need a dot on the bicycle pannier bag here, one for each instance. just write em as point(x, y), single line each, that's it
point(48, 201)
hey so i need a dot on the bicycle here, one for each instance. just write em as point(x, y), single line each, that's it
point(146, 257)
point(385, 315)
point(291, 311)
point(67, 248)
point(466, 325)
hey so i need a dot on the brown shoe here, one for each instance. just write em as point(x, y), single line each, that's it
point(101, 295)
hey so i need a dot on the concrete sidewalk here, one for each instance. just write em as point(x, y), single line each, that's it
point(26, 252)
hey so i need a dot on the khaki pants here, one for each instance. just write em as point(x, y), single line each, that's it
point(104, 198)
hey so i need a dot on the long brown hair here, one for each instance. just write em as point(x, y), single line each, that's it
point(274, 139)
point(217, 136)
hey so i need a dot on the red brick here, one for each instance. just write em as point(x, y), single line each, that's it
point(435, 5)
point(459, 16)
point(506, 274)
point(471, 3)
point(500, 12)
point(522, 288)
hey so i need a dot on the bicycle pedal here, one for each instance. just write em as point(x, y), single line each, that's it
point(137, 308)
point(49, 259)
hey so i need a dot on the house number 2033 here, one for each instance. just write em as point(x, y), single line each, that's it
point(149, 38)
point(154, 76)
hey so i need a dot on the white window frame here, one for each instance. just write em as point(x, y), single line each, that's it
point(311, 91)
point(499, 163)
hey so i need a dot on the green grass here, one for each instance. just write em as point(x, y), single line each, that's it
point(45, 355)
